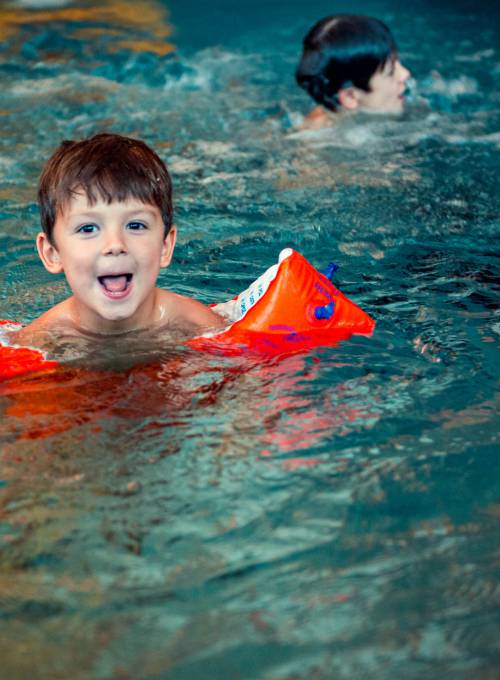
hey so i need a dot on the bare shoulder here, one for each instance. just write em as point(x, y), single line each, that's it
point(38, 332)
point(318, 118)
point(189, 313)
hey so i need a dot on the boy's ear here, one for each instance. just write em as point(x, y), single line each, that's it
point(48, 254)
point(349, 98)
point(168, 246)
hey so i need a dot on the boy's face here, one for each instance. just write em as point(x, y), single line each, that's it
point(386, 90)
point(111, 255)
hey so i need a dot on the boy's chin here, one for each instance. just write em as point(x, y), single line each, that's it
point(387, 108)
point(106, 323)
point(399, 106)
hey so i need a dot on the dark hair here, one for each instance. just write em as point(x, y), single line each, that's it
point(107, 166)
point(343, 51)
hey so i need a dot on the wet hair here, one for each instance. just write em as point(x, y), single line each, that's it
point(343, 51)
point(105, 166)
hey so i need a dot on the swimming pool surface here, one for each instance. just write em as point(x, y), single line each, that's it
point(327, 515)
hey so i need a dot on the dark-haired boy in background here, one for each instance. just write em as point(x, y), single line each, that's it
point(350, 63)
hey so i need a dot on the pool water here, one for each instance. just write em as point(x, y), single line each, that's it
point(327, 515)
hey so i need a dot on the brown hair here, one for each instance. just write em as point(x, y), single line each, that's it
point(106, 166)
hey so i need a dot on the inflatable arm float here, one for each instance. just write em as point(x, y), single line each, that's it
point(290, 307)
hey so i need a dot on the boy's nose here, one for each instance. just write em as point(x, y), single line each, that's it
point(404, 73)
point(115, 244)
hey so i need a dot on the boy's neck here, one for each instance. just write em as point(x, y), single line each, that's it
point(150, 313)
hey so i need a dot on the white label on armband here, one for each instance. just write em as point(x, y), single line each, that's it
point(235, 309)
point(5, 331)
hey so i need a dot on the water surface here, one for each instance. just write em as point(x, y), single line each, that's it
point(332, 514)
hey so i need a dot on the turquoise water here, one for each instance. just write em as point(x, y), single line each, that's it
point(329, 515)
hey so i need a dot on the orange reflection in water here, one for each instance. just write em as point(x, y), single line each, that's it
point(297, 422)
point(282, 410)
point(273, 406)
point(58, 400)
point(116, 18)
point(39, 405)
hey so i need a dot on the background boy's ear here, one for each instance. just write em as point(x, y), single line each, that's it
point(349, 98)
point(48, 254)
point(168, 246)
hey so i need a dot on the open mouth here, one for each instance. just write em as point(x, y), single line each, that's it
point(115, 285)
point(407, 92)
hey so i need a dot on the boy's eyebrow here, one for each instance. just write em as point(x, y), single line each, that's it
point(98, 213)
point(141, 209)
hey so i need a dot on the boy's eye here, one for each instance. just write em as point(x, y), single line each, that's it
point(86, 229)
point(136, 225)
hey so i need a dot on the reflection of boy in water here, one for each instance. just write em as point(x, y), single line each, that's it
point(350, 63)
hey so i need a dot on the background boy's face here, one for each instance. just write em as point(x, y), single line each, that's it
point(111, 255)
point(386, 89)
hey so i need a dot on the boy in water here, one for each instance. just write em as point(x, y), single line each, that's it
point(350, 63)
point(106, 213)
